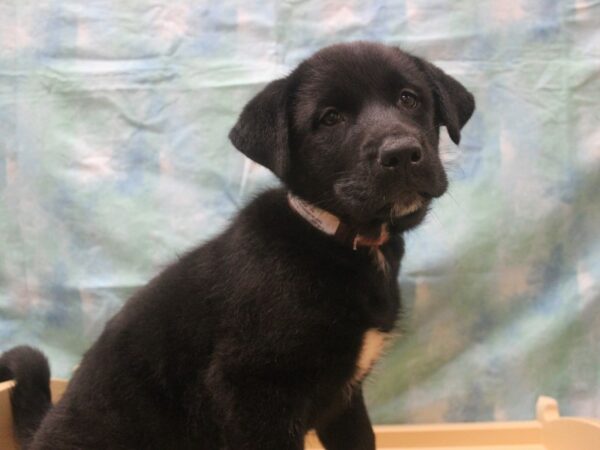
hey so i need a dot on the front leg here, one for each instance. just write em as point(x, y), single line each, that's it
point(258, 415)
point(350, 429)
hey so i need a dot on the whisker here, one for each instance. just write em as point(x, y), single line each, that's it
point(435, 216)
point(452, 197)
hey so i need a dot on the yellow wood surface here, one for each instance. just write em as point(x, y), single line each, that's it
point(6, 433)
point(521, 435)
point(548, 432)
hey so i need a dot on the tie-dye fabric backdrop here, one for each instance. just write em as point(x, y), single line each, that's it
point(114, 159)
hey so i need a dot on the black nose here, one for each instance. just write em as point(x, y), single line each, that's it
point(400, 152)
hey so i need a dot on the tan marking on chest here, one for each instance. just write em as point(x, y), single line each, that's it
point(372, 347)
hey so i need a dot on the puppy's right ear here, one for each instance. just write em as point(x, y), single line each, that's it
point(261, 132)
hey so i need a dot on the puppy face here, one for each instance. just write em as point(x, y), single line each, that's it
point(355, 130)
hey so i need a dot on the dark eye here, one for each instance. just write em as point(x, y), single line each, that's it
point(409, 99)
point(331, 117)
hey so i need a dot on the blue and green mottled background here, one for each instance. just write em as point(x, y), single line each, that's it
point(114, 159)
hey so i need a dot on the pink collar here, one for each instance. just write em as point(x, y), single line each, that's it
point(333, 226)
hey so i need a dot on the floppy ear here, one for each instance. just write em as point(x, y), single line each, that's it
point(261, 132)
point(453, 103)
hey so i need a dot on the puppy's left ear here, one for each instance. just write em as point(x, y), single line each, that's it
point(454, 104)
point(261, 132)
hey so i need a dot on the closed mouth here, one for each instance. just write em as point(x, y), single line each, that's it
point(407, 206)
point(402, 209)
point(409, 203)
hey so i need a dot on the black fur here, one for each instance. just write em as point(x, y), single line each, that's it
point(30, 399)
point(252, 339)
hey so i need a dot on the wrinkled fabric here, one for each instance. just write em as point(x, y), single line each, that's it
point(114, 159)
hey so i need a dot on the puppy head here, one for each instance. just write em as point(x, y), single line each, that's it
point(355, 129)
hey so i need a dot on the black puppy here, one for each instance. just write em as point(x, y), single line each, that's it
point(269, 329)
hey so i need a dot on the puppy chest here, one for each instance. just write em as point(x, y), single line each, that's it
point(373, 344)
